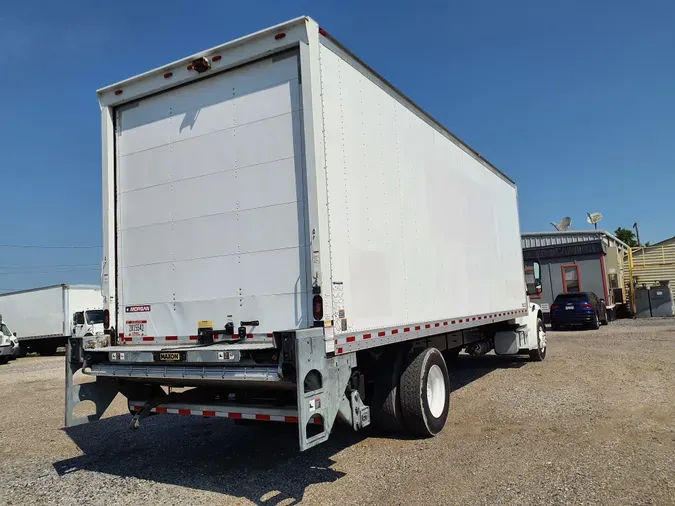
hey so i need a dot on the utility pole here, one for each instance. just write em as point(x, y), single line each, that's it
point(637, 232)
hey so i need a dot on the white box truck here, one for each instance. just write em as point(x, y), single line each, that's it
point(43, 318)
point(293, 237)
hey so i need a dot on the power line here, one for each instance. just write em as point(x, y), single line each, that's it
point(46, 247)
point(44, 272)
point(46, 266)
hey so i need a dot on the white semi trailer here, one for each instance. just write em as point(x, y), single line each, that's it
point(293, 237)
point(43, 318)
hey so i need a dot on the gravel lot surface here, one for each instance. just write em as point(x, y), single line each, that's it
point(592, 424)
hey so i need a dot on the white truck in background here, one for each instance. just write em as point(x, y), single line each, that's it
point(293, 237)
point(43, 318)
point(9, 345)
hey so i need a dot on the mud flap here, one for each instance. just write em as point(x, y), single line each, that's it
point(101, 392)
point(321, 385)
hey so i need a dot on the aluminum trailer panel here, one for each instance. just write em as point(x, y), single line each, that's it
point(211, 206)
point(421, 228)
point(292, 165)
point(35, 314)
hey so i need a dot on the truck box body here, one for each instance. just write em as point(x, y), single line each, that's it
point(289, 169)
point(45, 313)
point(291, 236)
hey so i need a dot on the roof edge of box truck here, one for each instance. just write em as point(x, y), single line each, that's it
point(113, 95)
point(49, 287)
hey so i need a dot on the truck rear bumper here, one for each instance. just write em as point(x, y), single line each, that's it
point(187, 373)
point(232, 411)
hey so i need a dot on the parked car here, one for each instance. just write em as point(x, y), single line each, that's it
point(580, 309)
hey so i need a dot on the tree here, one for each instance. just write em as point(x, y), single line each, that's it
point(626, 235)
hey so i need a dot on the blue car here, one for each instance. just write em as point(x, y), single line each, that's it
point(578, 309)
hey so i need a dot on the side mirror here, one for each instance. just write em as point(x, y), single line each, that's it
point(14, 334)
point(533, 278)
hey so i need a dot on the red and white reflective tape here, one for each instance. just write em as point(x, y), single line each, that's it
point(185, 339)
point(234, 415)
point(349, 342)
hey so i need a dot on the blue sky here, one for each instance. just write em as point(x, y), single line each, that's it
point(574, 100)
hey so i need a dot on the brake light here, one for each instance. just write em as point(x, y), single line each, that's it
point(317, 304)
point(555, 306)
point(106, 319)
point(586, 304)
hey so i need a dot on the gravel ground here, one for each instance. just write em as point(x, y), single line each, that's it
point(593, 424)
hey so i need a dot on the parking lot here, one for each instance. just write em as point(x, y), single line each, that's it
point(592, 424)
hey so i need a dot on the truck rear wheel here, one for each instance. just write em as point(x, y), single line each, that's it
point(386, 404)
point(424, 390)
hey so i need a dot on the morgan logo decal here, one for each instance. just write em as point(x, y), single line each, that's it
point(143, 308)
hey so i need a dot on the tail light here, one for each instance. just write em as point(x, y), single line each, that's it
point(555, 306)
point(106, 319)
point(586, 304)
point(317, 304)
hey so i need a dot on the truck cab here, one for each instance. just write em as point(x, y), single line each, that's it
point(88, 323)
point(9, 345)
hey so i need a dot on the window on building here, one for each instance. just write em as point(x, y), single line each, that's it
point(571, 278)
point(613, 281)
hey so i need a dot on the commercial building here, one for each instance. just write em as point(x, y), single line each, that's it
point(576, 261)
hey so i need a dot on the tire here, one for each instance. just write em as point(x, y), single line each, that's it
point(47, 350)
point(605, 320)
point(4, 359)
point(424, 390)
point(386, 404)
point(595, 322)
point(540, 353)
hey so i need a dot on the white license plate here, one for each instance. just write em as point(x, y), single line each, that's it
point(569, 308)
point(136, 328)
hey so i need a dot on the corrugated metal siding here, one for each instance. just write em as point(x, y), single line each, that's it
point(652, 265)
point(544, 239)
